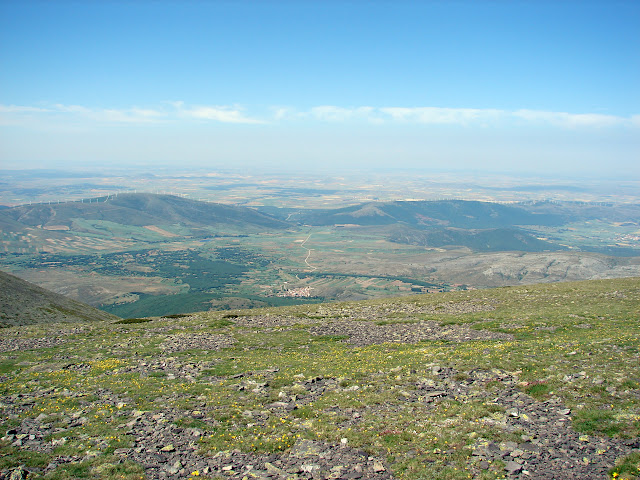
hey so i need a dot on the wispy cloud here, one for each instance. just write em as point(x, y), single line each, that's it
point(177, 111)
point(133, 115)
point(442, 116)
point(170, 111)
point(20, 109)
point(223, 114)
point(331, 113)
point(19, 115)
point(571, 120)
point(464, 117)
point(215, 113)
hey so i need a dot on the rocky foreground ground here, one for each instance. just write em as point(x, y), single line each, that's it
point(75, 408)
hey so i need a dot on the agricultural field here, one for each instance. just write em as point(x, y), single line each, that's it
point(260, 269)
point(155, 254)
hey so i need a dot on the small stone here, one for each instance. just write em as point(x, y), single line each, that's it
point(272, 469)
point(378, 467)
point(168, 448)
point(513, 467)
point(309, 467)
point(18, 473)
point(510, 446)
point(305, 448)
point(436, 393)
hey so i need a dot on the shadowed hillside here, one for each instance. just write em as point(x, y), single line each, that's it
point(488, 240)
point(424, 214)
point(23, 303)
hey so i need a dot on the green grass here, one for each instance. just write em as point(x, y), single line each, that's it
point(575, 341)
point(627, 467)
point(129, 321)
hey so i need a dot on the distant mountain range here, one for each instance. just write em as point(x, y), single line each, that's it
point(484, 240)
point(431, 214)
point(138, 210)
point(23, 303)
point(479, 226)
point(162, 254)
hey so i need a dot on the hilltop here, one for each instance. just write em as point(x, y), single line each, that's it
point(138, 209)
point(23, 303)
point(519, 382)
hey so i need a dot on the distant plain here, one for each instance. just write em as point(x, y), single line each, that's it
point(332, 244)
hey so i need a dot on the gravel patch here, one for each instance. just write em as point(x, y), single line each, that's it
point(369, 333)
point(204, 341)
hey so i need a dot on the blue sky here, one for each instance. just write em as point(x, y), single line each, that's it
point(505, 86)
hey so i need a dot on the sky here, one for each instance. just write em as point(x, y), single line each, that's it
point(536, 87)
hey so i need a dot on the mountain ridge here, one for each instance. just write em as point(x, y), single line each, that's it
point(23, 303)
point(139, 209)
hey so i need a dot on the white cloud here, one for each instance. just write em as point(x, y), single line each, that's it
point(110, 115)
point(222, 114)
point(21, 109)
point(20, 115)
point(466, 117)
point(331, 113)
point(176, 111)
point(572, 120)
point(133, 115)
point(281, 113)
point(445, 116)
point(58, 107)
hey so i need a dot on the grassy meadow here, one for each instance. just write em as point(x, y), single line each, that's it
point(262, 381)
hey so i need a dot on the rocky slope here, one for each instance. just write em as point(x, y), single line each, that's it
point(520, 383)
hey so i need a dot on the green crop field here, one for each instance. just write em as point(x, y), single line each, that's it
point(143, 254)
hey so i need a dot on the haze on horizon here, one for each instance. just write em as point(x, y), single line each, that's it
point(537, 87)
